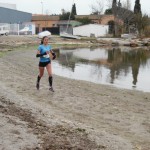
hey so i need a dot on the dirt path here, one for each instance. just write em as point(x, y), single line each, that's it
point(79, 115)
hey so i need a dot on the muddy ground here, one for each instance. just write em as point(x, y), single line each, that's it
point(78, 116)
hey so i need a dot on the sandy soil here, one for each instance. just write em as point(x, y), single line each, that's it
point(78, 116)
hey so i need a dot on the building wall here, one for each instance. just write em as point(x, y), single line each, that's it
point(106, 19)
point(52, 21)
point(14, 16)
point(98, 19)
point(46, 23)
point(91, 29)
point(49, 21)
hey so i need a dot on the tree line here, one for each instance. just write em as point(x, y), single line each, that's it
point(130, 19)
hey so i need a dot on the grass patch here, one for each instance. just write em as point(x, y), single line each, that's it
point(18, 48)
point(2, 54)
point(80, 130)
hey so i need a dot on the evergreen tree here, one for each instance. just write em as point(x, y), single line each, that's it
point(69, 15)
point(137, 7)
point(114, 6)
point(74, 12)
point(65, 16)
point(108, 11)
point(119, 4)
point(138, 16)
point(114, 3)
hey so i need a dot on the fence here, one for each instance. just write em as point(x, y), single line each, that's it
point(17, 29)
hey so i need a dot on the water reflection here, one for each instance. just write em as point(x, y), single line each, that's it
point(118, 66)
point(123, 60)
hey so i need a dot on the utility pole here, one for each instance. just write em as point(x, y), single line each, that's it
point(42, 7)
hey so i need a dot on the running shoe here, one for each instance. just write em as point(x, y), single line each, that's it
point(37, 85)
point(51, 89)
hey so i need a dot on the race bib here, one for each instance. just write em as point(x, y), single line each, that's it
point(46, 56)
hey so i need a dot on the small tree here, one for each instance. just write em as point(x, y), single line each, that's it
point(97, 9)
point(122, 15)
point(137, 7)
point(65, 15)
point(142, 22)
point(147, 31)
point(138, 16)
point(108, 11)
point(74, 12)
point(126, 4)
point(145, 21)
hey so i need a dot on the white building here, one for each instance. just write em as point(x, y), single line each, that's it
point(91, 30)
point(10, 6)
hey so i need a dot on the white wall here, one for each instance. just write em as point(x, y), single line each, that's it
point(14, 29)
point(87, 30)
point(10, 6)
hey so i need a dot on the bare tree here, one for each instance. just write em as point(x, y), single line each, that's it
point(97, 9)
point(109, 3)
point(123, 17)
point(126, 4)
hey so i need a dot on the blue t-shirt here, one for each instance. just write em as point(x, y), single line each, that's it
point(43, 48)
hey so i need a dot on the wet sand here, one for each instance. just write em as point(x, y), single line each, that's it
point(79, 115)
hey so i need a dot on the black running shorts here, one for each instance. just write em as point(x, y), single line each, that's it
point(44, 64)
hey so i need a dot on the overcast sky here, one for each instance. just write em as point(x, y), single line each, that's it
point(55, 6)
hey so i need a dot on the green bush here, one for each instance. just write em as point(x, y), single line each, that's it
point(147, 31)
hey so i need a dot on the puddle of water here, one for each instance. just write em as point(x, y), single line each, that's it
point(124, 68)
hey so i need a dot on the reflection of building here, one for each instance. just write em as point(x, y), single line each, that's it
point(66, 60)
point(123, 60)
point(119, 63)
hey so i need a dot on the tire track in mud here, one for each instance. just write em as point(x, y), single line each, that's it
point(51, 137)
